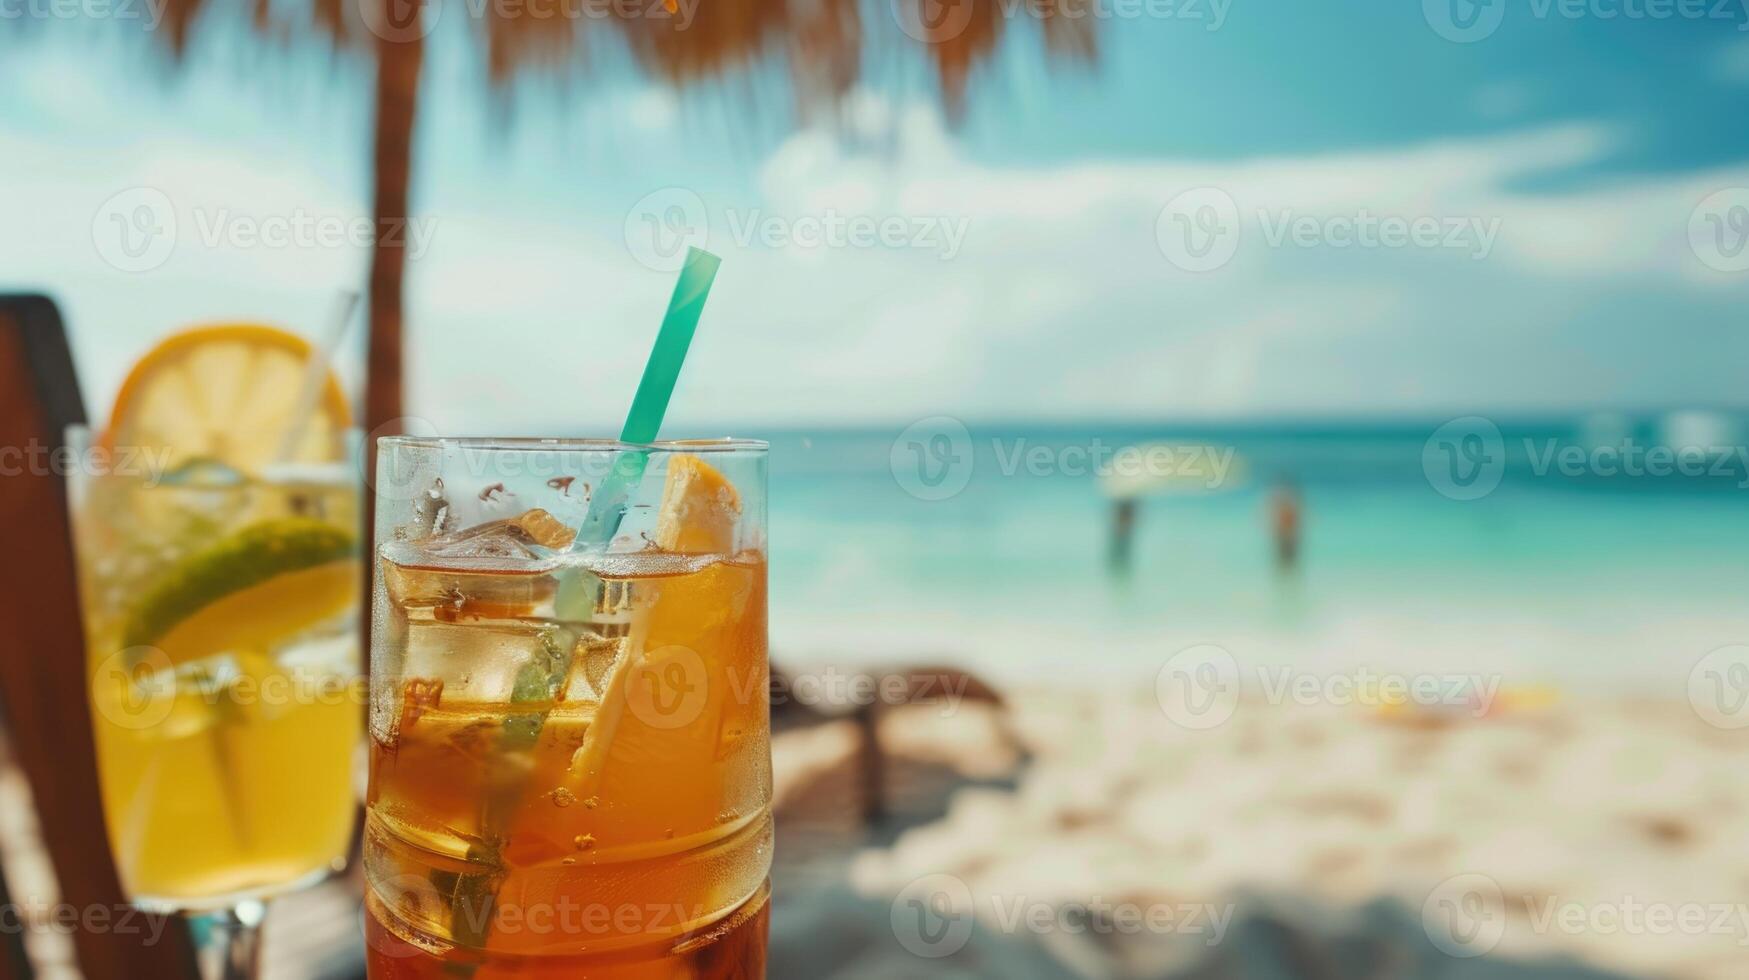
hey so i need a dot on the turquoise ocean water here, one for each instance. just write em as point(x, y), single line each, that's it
point(1563, 572)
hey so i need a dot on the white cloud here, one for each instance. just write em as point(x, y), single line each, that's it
point(526, 315)
point(56, 236)
point(1143, 337)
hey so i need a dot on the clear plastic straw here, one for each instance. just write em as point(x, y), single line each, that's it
point(316, 375)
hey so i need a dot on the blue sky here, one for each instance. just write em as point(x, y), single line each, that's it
point(1570, 160)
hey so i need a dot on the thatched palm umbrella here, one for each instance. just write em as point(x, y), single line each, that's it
point(821, 40)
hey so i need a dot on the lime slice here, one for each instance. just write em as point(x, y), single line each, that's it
point(248, 591)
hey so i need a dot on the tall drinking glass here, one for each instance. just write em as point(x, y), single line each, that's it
point(570, 742)
point(223, 668)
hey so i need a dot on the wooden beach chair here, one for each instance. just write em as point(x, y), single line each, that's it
point(920, 685)
point(42, 664)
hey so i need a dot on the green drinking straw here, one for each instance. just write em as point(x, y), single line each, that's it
point(540, 681)
point(607, 507)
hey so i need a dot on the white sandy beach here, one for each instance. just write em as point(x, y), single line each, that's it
point(1602, 831)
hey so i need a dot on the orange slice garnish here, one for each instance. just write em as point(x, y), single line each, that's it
point(699, 509)
point(228, 393)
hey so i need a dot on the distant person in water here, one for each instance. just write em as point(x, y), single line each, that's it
point(1123, 531)
point(1284, 518)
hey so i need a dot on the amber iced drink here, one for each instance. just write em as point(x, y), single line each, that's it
point(570, 759)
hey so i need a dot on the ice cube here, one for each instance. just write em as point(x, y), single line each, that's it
point(500, 569)
point(531, 534)
point(490, 662)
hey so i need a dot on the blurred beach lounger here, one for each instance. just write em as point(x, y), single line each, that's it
point(893, 687)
